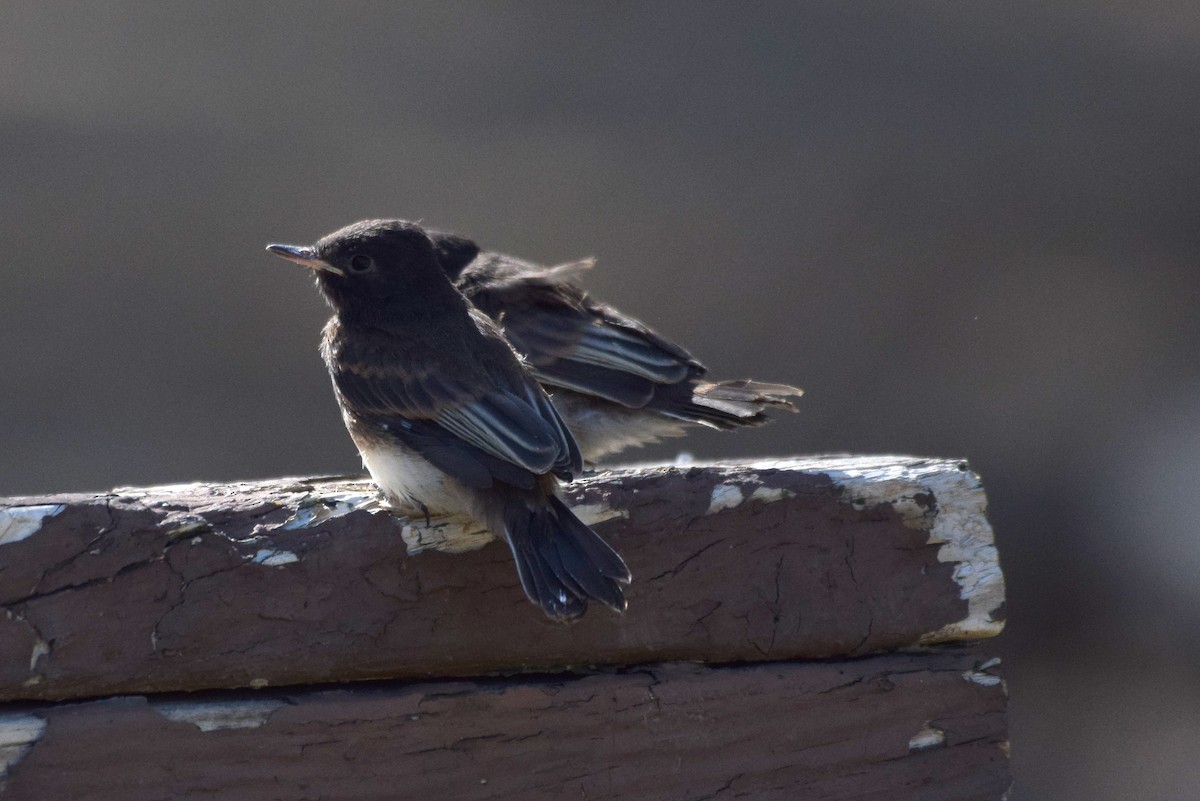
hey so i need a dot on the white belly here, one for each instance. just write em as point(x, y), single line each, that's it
point(408, 480)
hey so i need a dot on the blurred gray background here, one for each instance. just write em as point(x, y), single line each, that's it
point(967, 230)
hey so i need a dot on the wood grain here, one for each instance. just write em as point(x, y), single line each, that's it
point(308, 581)
point(895, 727)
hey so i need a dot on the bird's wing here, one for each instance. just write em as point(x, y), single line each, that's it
point(573, 342)
point(471, 425)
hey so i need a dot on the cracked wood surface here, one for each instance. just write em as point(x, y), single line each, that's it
point(300, 581)
point(893, 727)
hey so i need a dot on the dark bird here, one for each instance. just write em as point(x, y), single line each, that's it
point(446, 416)
point(615, 382)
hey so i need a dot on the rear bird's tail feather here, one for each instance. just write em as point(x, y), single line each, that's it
point(730, 404)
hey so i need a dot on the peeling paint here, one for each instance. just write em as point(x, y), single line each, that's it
point(950, 503)
point(593, 513)
point(186, 525)
point(40, 648)
point(771, 494)
point(725, 496)
point(273, 558)
point(732, 493)
point(965, 535)
point(18, 734)
point(926, 738)
point(215, 716)
point(985, 679)
point(981, 676)
point(21, 522)
point(315, 510)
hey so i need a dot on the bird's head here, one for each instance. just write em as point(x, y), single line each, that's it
point(454, 252)
point(372, 264)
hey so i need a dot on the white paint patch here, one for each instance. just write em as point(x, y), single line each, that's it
point(593, 513)
point(215, 716)
point(21, 522)
point(272, 558)
point(18, 734)
point(732, 493)
point(725, 496)
point(958, 524)
point(185, 525)
point(986, 679)
point(771, 494)
point(315, 510)
point(966, 537)
point(980, 675)
point(926, 738)
point(40, 648)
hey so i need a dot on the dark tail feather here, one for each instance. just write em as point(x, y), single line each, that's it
point(561, 562)
point(728, 404)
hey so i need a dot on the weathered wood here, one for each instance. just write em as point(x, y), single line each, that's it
point(209, 587)
point(307, 581)
point(927, 727)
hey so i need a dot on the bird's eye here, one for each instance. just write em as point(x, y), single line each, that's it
point(361, 262)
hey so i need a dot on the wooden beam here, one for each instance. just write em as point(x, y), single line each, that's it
point(894, 727)
point(304, 581)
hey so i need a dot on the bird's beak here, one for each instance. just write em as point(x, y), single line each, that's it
point(305, 257)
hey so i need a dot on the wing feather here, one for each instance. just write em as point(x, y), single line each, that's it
point(570, 340)
point(472, 427)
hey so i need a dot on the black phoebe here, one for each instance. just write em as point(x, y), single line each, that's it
point(615, 381)
point(446, 416)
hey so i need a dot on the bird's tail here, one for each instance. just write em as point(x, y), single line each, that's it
point(561, 562)
point(727, 404)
